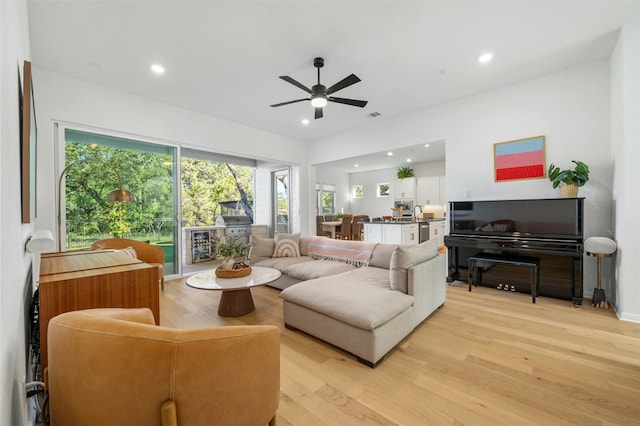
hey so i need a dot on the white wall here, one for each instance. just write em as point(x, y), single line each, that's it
point(625, 110)
point(15, 285)
point(65, 99)
point(341, 181)
point(370, 204)
point(571, 108)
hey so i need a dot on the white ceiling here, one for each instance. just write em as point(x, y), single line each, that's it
point(224, 57)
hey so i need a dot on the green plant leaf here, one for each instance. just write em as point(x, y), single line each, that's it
point(404, 172)
point(578, 176)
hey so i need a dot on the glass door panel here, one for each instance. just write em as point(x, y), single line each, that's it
point(95, 165)
point(281, 201)
point(212, 185)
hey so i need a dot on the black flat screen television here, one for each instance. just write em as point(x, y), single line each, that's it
point(548, 218)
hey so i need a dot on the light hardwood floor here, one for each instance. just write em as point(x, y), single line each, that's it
point(488, 357)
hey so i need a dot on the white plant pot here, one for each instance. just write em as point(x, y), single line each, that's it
point(228, 263)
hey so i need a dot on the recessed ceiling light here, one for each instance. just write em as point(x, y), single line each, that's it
point(389, 154)
point(305, 121)
point(408, 160)
point(426, 145)
point(356, 165)
point(157, 69)
point(485, 58)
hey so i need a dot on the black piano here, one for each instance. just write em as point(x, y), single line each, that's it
point(549, 229)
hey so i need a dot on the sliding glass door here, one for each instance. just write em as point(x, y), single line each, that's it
point(95, 165)
point(281, 200)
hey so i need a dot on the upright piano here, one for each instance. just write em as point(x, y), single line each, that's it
point(549, 229)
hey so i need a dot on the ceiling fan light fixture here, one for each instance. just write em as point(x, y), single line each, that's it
point(320, 94)
point(319, 102)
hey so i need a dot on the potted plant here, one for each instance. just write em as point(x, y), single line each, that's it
point(569, 180)
point(404, 172)
point(229, 250)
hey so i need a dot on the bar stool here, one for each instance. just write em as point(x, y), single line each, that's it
point(599, 247)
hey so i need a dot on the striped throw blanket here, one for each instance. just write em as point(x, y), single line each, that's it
point(357, 253)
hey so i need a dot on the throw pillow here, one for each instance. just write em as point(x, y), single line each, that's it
point(286, 248)
point(129, 251)
point(404, 257)
point(294, 237)
point(260, 248)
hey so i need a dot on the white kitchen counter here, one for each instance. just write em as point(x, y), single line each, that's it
point(391, 232)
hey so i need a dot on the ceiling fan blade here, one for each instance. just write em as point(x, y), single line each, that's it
point(295, 83)
point(290, 102)
point(345, 82)
point(352, 102)
point(319, 113)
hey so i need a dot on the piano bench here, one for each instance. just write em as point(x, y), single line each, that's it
point(533, 263)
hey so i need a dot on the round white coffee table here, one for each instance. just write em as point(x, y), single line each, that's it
point(236, 296)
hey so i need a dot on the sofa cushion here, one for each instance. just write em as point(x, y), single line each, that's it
point(361, 297)
point(281, 263)
point(381, 257)
point(316, 269)
point(404, 257)
point(286, 248)
point(261, 248)
point(304, 246)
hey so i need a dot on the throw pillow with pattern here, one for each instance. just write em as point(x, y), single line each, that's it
point(286, 248)
point(295, 237)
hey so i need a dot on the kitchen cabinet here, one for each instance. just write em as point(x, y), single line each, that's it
point(410, 234)
point(436, 231)
point(431, 190)
point(391, 233)
point(373, 232)
point(404, 188)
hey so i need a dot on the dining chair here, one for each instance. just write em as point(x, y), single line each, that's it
point(345, 228)
point(319, 228)
point(356, 226)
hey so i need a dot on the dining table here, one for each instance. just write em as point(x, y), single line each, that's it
point(331, 226)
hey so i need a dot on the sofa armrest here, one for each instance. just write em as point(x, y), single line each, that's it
point(427, 284)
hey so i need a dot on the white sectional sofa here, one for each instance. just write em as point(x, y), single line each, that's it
point(365, 307)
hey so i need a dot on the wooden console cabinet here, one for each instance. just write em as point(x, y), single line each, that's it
point(71, 281)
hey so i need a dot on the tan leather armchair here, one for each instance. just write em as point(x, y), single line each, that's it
point(114, 367)
point(148, 253)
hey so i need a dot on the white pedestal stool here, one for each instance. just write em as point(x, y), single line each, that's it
point(599, 247)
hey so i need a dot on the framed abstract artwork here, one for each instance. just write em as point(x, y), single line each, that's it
point(28, 147)
point(519, 159)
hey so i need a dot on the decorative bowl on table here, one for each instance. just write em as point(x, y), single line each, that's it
point(238, 271)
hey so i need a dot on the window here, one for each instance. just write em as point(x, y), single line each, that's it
point(326, 199)
point(357, 191)
point(382, 190)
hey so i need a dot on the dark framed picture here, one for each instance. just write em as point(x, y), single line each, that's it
point(28, 147)
point(519, 159)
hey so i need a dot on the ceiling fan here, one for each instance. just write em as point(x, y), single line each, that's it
point(320, 94)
